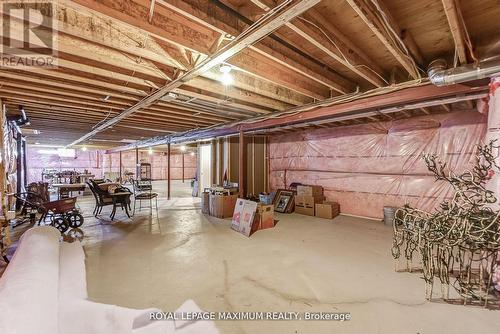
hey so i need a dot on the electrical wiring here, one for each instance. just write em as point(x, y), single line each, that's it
point(298, 110)
point(340, 51)
point(402, 45)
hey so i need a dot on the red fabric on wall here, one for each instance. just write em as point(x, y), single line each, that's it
point(369, 166)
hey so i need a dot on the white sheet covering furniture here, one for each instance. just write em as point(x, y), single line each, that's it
point(44, 290)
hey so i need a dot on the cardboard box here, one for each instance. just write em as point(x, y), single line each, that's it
point(243, 217)
point(305, 205)
point(304, 211)
point(222, 206)
point(316, 191)
point(205, 203)
point(327, 210)
point(264, 216)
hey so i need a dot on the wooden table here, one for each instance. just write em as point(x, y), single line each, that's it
point(64, 189)
point(122, 199)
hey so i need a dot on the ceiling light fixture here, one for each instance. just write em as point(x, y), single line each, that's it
point(150, 150)
point(84, 149)
point(226, 78)
point(183, 148)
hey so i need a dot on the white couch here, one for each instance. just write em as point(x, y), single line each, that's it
point(44, 290)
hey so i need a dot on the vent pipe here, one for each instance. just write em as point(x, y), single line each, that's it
point(439, 75)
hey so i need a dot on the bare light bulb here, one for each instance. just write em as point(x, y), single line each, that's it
point(226, 79)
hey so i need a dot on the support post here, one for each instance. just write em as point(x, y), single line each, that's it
point(137, 169)
point(168, 171)
point(183, 167)
point(25, 164)
point(19, 167)
point(121, 180)
point(241, 165)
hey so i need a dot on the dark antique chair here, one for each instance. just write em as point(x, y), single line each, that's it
point(101, 197)
point(143, 191)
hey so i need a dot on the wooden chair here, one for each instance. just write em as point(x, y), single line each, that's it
point(143, 192)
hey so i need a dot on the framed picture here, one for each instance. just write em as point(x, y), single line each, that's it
point(283, 200)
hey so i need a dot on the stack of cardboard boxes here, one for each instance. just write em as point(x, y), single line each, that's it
point(310, 201)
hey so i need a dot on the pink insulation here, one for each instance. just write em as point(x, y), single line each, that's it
point(98, 163)
point(158, 161)
point(493, 132)
point(37, 162)
point(369, 166)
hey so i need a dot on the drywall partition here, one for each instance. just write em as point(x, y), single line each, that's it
point(366, 167)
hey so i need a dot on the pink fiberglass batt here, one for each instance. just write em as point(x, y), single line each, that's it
point(369, 166)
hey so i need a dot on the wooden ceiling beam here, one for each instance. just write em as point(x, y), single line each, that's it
point(174, 111)
point(54, 104)
point(404, 98)
point(371, 15)
point(110, 89)
point(266, 26)
point(457, 29)
point(20, 81)
point(182, 35)
point(39, 119)
point(96, 117)
point(312, 27)
point(226, 22)
point(425, 110)
point(90, 55)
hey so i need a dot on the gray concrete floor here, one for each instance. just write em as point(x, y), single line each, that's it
point(304, 264)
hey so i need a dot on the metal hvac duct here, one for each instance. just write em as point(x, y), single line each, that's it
point(439, 75)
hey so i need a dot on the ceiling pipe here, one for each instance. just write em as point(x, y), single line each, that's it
point(439, 75)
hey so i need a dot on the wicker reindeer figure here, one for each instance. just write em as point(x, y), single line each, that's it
point(461, 239)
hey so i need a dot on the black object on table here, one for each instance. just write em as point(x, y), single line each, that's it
point(123, 200)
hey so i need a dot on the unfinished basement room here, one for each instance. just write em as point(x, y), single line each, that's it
point(249, 166)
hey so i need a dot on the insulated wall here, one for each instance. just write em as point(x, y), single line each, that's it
point(369, 166)
point(158, 161)
point(98, 163)
point(37, 162)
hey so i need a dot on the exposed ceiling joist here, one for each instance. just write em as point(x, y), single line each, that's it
point(323, 35)
point(458, 30)
point(377, 18)
point(220, 18)
point(183, 31)
point(267, 25)
point(90, 56)
point(395, 101)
